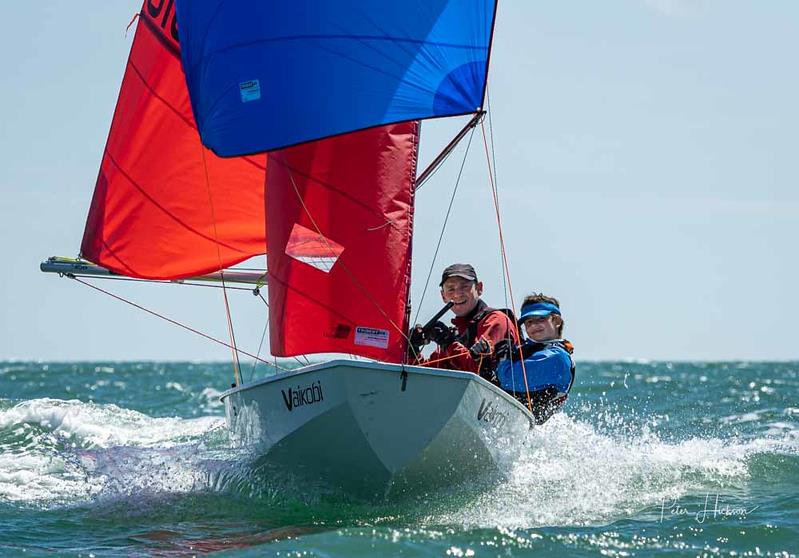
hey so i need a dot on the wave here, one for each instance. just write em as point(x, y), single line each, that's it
point(574, 471)
point(56, 451)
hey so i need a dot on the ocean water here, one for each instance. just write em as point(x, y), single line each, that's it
point(648, 459)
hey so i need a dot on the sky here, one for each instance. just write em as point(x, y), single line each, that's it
point(646, 161)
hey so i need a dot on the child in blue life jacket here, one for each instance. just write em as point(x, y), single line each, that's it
point(544, 359)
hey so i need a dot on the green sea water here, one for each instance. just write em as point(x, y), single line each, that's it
point(647, 459)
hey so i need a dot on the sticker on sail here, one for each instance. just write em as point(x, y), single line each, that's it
point(371, 337)
point(312, 248)
point(250, 90)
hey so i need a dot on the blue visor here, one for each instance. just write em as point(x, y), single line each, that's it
point(538, 310)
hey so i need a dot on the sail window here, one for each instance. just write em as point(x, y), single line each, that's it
point(312, 248)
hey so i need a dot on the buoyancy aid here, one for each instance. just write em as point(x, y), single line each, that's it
point(546, 380)
point(480, 312)
point(468, 337)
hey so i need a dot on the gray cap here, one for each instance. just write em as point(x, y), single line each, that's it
point(458, 270)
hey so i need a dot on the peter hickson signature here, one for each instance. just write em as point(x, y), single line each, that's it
point(712, 508)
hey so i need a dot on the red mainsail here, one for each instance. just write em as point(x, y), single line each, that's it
point(164, 207)
point(339, 220)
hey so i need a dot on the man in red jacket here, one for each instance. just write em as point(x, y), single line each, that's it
point(470, 344)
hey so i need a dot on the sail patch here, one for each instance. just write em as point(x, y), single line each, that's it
point(312, 248)
point(371, 337)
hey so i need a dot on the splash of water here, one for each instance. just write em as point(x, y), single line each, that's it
point(573, 471)
point(577, 473)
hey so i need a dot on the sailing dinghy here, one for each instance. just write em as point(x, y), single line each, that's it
point(292, 129)
point(374, 429)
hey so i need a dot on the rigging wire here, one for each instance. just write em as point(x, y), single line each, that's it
point(444, 226)
point(505, 271)
point(231, 333)
point(195, 284)
point(170, 320)
point(505, 257)
point(257, 292)
point(258, 353)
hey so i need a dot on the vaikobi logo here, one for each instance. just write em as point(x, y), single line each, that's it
point(490, 414)
point(302, 395)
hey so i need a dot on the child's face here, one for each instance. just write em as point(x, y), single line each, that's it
point(542, 328)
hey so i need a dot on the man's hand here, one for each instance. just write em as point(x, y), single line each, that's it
point(482, 349)
point(417, 338)
point(443, 335)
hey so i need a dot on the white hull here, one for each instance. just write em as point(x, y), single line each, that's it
point(372, 429)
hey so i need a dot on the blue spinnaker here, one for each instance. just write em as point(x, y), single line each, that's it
point(263, 74)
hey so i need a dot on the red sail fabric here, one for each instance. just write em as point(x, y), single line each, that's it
point(339, 221)
point(164, 207)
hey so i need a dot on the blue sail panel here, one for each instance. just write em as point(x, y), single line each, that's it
point(263, 75)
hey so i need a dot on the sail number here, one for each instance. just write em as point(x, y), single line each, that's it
point(162, 13)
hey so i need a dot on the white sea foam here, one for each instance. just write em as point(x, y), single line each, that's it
point(573, 472)
point(211, 396)
point(38, 477)
point(95, 425)
point(85, 450)
point(575, 475)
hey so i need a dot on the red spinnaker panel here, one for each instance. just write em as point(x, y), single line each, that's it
point(155, 213)
point(339, 220)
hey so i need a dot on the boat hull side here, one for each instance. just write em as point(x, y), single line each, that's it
point(370, 429)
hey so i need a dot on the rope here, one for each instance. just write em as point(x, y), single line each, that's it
point(175, 322)
point(505, 270)
point(495, 197)
point(258, 353)
point(132, 21)
point(231, 333)
point(445, 359)
point(257, 292)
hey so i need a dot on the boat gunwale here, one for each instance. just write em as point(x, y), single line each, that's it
point(383, 366)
